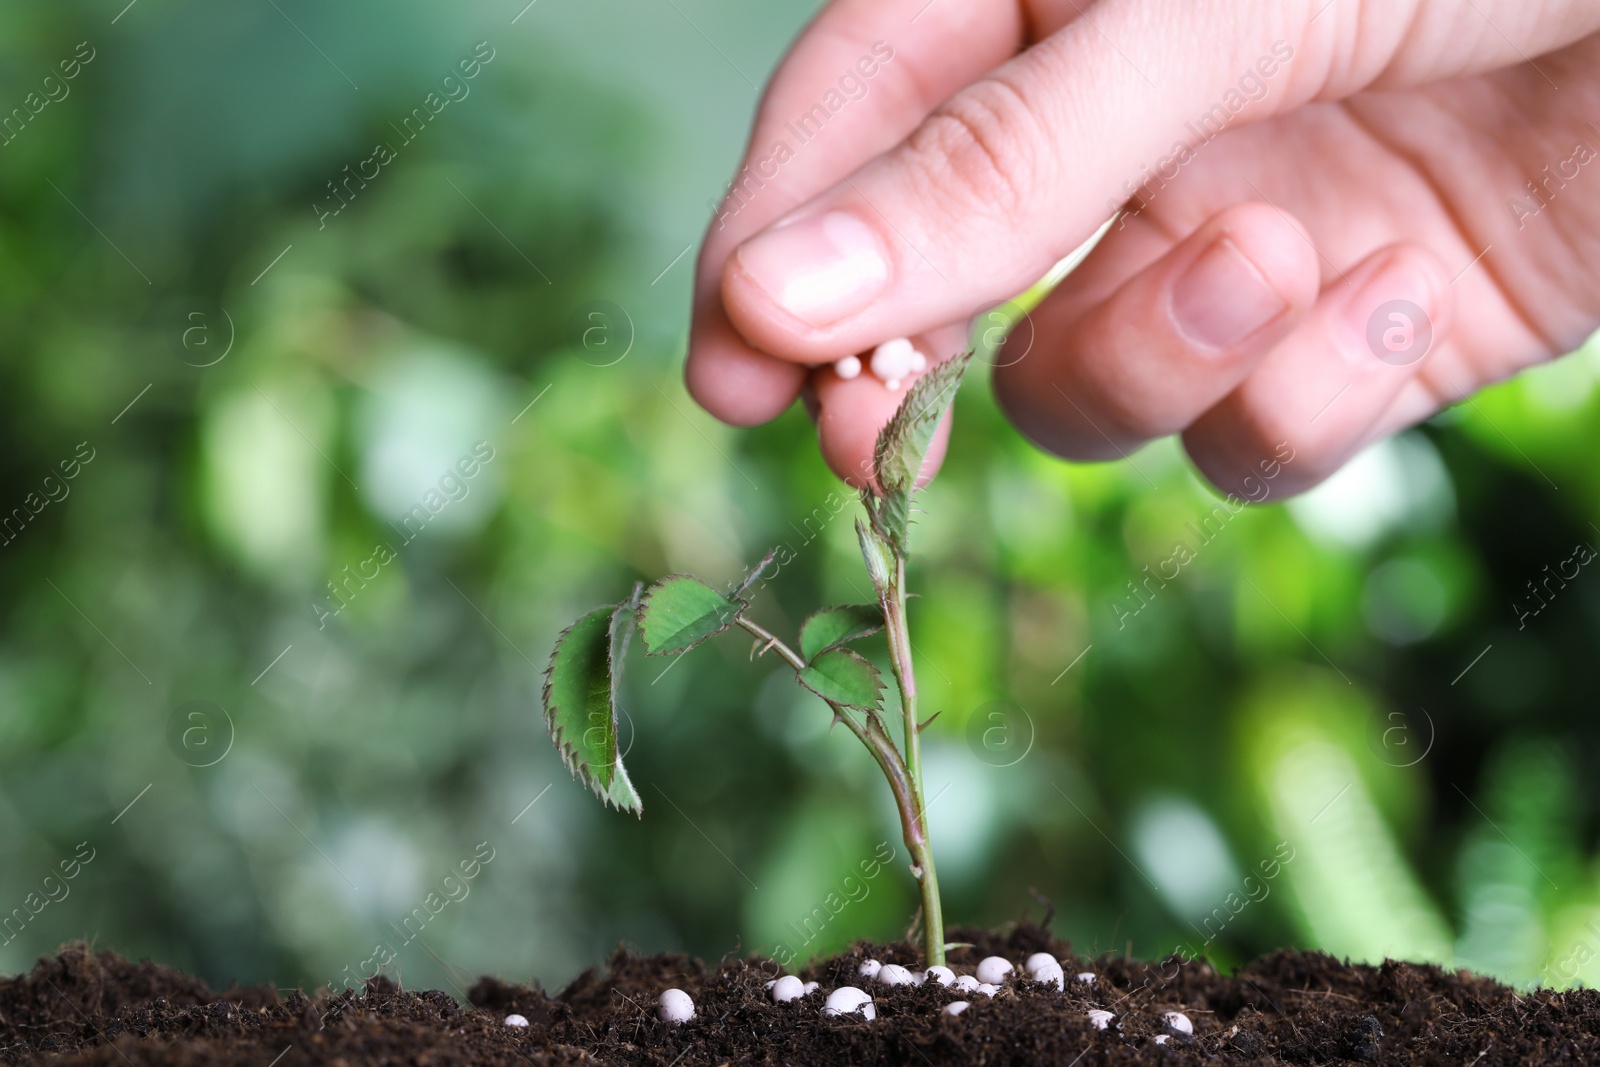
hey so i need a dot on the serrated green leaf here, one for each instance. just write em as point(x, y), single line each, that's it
point(837, 625)
point(891, 516)
point(580, 700)
point(903, 445)
point(681, 611)
point(844, 677)
point(903, 442)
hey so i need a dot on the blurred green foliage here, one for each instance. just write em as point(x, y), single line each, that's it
point(1342, 679)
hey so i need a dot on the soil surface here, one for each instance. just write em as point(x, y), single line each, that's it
point(84, 1007)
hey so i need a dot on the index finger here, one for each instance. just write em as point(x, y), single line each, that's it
point(863, 75)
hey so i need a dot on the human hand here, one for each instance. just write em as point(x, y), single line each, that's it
point(1435, 154)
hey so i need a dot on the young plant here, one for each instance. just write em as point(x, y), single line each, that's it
point(679, 612)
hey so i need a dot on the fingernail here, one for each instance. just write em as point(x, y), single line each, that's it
point(1388, 317)
point(1223, 298)
point(819, 269)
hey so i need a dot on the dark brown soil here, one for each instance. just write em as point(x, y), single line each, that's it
point(1300, 1008)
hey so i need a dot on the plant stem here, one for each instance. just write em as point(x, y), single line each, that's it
point(894, 615)
point(893, 602)
point(904, 783)
point(871, 734)
point(763, 634)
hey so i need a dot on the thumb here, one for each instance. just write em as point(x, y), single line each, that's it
point(1010, 174)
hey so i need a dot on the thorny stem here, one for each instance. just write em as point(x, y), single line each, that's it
point(903, 774)
point(773, 642)
point(915, 820)
point(894, 615)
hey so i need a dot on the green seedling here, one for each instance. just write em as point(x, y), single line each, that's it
point(679, 612)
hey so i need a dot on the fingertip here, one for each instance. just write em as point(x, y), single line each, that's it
point(1278, 246)
point(733, 381)
point(1180, 328)
point(1320, 395)
point(1227, 460)
point(785, 287)
point(850, 413)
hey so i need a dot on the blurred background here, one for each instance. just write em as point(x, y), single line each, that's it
point(261, 706)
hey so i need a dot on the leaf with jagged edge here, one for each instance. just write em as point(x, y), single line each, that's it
point(837, 625)
point(580, 700)
point(903, 445)
point(680, 611)
point(844, 677)
point(891, 517)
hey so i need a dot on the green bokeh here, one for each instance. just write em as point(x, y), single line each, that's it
point(1302, 683)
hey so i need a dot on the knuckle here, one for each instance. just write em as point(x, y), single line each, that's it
point(978, 147)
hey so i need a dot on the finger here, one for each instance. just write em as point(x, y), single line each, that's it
point(850, 413)
point(1014, 171)
point(1002, 180)
point(1317, 396)
point(857, 81)
point(1176, 337)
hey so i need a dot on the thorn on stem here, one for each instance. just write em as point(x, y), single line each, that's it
point(925, 723)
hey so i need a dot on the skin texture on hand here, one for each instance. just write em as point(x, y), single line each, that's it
point(1340, 216)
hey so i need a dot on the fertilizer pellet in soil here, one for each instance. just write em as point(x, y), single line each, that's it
point(85, 1007)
